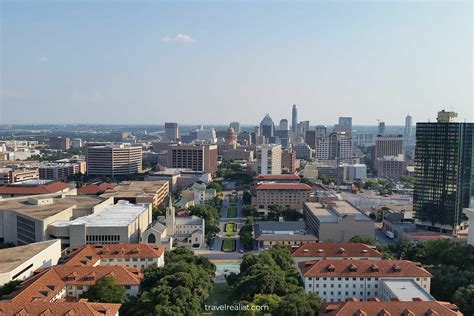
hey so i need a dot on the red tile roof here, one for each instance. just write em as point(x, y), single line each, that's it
point(270, 177)
point(340, 250)
point(90, 254)
point(59, 308)
point(392, 308)
point(95, 189)
point(283, 186)
point(359, 268)
point(32, 190)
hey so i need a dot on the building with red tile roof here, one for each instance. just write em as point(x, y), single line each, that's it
point(336, 280)
point(130, 255)
point(327, 250)
point(96, 189)
point(286, 178)
point(291, 195)
point(81, 308)
point(389, 308)
point(33, 187)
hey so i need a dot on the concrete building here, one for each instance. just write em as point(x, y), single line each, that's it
point(469, 212)
point(123, 223)
point(59, 143)
point(139, 256)
point(149, 192)
point(354, 172)
point(194, 157)
point(336, 145)
point(10, 175)
point(381, 129)
point(303, 151)
point(391, 167)
point(337, 221)
point(19, 263)
point(338, 280)
point(269, 159)
point(288, 161)
point(291, 233)
point(179, 178)
point(113, 160)
point(344, 126)
point(206, 136)
point(76, 143)
point(237, 154)
point(291, 195)
point(330, 250)
point(57, 171)
point(231, 136)
point(388, 145)
point(294, 119)
point(171, 131)
point(283, 126)
point(267, 128)
point(363, 139)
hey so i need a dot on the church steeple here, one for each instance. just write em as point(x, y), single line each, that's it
point(170, 218)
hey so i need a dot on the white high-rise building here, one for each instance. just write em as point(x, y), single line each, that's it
point(269, 159)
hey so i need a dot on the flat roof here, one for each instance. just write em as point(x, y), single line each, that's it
point(406, 290)
point(116, 215)
point(283, 186)
point(22, 206)
point(10, 258)
point(136, 188)
point(331, 212)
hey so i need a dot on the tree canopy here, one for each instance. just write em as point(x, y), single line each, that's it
point(105, 290)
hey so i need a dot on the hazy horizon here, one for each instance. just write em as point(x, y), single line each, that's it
point(139, 63)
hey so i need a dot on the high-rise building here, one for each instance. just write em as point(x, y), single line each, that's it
point(113, 160)
point(310, 138)
point(443, 172)
point(381, 130)
point(195, 157)
point(267, 127)
point(59, 143)
point(321, 130)
point(408, 132)
point(334, 146)
point(294, 119)
point(388, 145)
point(344, 125)
point(171, 131)
point(76, 143)
point(288, 161)
point(302, 127)
point(283, 125)
point(235, 126)
point(269, 159)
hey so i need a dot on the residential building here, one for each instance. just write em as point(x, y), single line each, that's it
point(388, 145)
point(330, 250)
point(291, 233)
point(337, 221)
point(19, 263)
point(376, 307)
point(288, 161)
point(82, 307)
point(338, 280)
point(194, 157)
point(171, 131)
point(139, 256)
point(57, 171)
point(76, 143)
point(59, 143)
point(149, 192)
point(290, 195)
point(34, 187)
point(269, 159)
point(122, 222)
point(444, 167)
point(113, 160)
point(393, 167)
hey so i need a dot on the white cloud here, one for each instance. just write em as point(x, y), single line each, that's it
point(43, 59)
point(179, 38)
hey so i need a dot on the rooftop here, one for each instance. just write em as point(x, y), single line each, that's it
point(359, 268)
point(95, 188)
point(273, 230)
point(270, 177)
point(342, 250)
point(10, 258)
point(59, 308)
point(333, 211)
point(406, 290)
point(283, 186)
point(136, 188)
point(116, 215)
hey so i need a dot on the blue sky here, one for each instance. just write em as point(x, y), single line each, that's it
point(215, 62)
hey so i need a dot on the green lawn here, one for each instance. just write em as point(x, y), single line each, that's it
point(232, 212)
point(232, 199)
point(230, 227)
point(229, 245)
point(219, 295)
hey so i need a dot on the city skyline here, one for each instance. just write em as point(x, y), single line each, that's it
point(381, 61)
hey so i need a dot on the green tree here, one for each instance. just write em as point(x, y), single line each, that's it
point(325, 179)
point(247, 197)
point(246, 236)
point(464, 299)
point(368, 240)
point(300, 304)
point(105, 290)
point(9, 287)
point(215, 185)
point(447, 279)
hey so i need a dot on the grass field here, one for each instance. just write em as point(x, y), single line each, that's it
point(232, 212)
point(229, 245)
point(232, 199)
point(230, 227)
point(219, 295)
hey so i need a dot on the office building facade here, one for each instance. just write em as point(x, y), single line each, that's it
point(194, 157)
point(113, 160)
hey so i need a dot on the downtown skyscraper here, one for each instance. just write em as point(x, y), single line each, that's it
point(443, 172)
point(294, 119)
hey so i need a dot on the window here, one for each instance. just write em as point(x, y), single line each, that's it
point(332, 285)
point(361, 293)
point(339, 279)
point(347, 279)
point(332, 279)
point(310, 278)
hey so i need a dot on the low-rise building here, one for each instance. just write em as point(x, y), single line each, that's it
point(151, 192)
point(19, 263)
point(63, 308)
point(95, 188)
point(58, 171)
point(10, 175)
point(34, 187)
point(129, 255)
point(119, 223)
point(328, 250)
point(338, 280)
point(179, 178)
point(270, 233)
point(337, 221)
point(391, 167)
point(291, 195)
